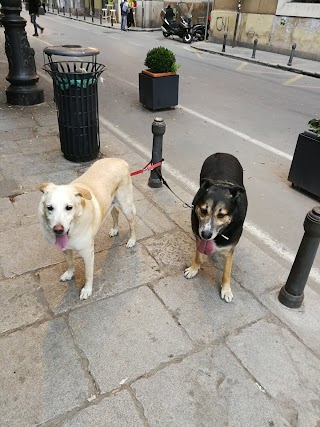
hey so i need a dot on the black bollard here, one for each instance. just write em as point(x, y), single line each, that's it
point(92, 16)
point(84, 15)
point(291, 295)
point(158, 130)
point(291, 54)
point(100, 17)
point(70, 12)
point(254, 48)
point(77, 14)
point(224, 42)
point(64, 12)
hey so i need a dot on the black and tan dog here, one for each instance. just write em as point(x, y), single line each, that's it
point(219, 210)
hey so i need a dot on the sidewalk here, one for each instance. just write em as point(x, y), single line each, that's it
point(149, 348)
point(270, 59)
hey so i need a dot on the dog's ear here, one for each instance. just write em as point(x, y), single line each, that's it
point(206, 183)
point(83, 192)
point(236, 190)
point(44, 187)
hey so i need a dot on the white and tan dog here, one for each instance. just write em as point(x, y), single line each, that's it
point(72, 214)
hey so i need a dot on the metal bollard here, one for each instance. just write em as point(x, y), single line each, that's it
point(255, 42)
point(92, 16)
point(291, 295)
point(84, 15)
point(64, 12)
point(291, 54)
point(100, 17)
point(70, 12)
point(158, 129)
point(224, 42)
point(58, 9)
point(77, 14)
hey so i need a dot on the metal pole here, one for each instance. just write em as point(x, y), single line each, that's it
point(291, 294)
point(63, 9)
point(100, 16)
point(207, 17)
point(22, 76)
point(236, 24)
point(77, 14)
point(158, 129)
point(224, 42)
point(254, 48)
point(291, 54)
point(70, 12)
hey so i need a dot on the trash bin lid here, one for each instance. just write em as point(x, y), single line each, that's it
point(71, 50)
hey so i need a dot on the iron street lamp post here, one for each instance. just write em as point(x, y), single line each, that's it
point(22, 75)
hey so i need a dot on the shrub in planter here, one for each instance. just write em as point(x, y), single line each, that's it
point(305, 167)
point(159, 84)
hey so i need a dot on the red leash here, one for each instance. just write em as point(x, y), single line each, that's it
point(148, 167)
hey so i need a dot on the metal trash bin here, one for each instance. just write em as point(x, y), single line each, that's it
point(76, 95)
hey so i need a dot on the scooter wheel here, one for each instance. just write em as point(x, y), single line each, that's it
point(165, 34)
point(187, 38)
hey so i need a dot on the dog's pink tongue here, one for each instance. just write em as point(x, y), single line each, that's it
point(61, 241)
point(206, 247)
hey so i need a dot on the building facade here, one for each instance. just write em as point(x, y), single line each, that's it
point(277, 24)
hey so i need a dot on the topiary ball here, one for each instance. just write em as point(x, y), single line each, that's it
point(160, 60)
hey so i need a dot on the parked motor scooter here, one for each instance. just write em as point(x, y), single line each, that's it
point(198, 31)
point(181, 28)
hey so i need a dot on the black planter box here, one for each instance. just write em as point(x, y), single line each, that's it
point(156, 93)
point(305, 167)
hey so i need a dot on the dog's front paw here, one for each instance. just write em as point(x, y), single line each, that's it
point(113, 232)
point(226, 294)
point(131, 243)
point(68, 275)
point(190, 272)
point(85, 293)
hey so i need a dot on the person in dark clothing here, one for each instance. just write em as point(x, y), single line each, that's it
point(169, 13)
point(34, 12)
point(130, 19)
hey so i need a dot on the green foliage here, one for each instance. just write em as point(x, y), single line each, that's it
point(314, 126)
point(161, 60)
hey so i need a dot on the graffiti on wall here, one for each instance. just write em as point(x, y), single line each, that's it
point(222, 23)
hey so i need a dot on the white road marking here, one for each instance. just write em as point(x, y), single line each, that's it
point(136, 44)
point(237, 133)
point(249, 226)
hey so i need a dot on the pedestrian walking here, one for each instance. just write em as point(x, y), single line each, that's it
point(34, 12)
point(124, 6)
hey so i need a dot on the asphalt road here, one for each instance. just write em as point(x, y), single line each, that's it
point(224, 105)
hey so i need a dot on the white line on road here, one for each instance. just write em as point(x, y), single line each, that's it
point(241, 66)
point(237, 133)
point(292, 80)
point(249, 226)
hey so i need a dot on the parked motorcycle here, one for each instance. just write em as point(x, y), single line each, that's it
point(198, 31)
point(181, 28)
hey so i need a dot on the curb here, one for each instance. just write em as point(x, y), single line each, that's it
point(88, 21)
point(263, 63)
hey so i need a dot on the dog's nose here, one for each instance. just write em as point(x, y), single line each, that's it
point(206, 235)
point(58, 229)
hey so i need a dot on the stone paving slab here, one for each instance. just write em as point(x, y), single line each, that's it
point(8, 215)
point(9, 187)
point(39, 144)
point(135, 335)
point(304, 321)
point(22, 302)
point(252, 267)
point(284, 368)
point(117, 410)
point(35, 163)
point(207, 389)
point(32, 182)
point(116, 270)
point(25, 249)
point(172, 252)
point(197, 305)
point(43, 376)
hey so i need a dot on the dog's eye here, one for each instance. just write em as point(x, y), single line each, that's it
point(68, 208)
point(50, 208)
point(221, 215)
